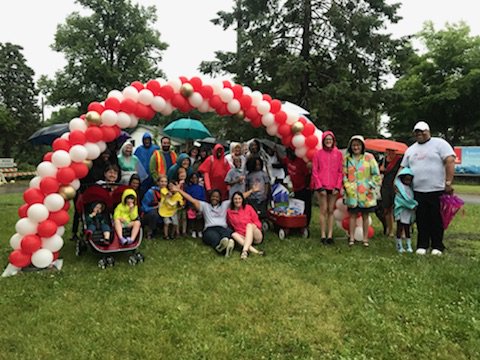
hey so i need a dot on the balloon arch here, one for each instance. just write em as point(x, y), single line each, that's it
point(38, 238)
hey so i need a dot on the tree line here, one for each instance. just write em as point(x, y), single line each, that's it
point(331, 57)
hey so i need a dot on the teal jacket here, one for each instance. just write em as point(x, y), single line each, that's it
point(403, 200)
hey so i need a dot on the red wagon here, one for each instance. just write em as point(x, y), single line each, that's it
point(283, 224)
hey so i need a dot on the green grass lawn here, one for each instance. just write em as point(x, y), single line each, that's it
point(302, 301)
point(467, 189)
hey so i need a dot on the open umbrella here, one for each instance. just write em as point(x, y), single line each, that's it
point(381, 145)
point(449, 206)
point(46, 135)
point(187, 129)
point(294, 108)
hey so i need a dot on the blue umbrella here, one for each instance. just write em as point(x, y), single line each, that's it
point(187, 129)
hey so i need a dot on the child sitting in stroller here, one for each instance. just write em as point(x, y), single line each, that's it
point(97, 221)
point(126, 216)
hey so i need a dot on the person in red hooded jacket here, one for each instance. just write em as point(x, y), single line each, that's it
point(327, 181)
point(214, 169)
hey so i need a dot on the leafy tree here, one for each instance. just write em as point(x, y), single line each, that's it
point(327, 56)
point(105, 50)
point(63, 115)
point(19, 113)
point(441, 85)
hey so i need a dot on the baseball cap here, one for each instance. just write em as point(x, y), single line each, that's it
point(422, 126)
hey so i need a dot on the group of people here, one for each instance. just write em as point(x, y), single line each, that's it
point(219, 197)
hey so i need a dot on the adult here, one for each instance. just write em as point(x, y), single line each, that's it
point(216, 232)
point(235, 151)
point(144, 153)
point(273, 165)
point(183, 160)
point(129, 164)
point(255, 151)
point(432, 161)
point(299, 174)
point(162, 159)
point(361, 177)
point(110, 177)
point(214, 170)
point(389, 168)
point(246, 225)
point(327, 178)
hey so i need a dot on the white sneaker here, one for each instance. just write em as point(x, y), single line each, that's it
point(230, 247)
point(436, 252)
point(222, 245)
point(194, 234)
point(421, 251)
point(200, 235)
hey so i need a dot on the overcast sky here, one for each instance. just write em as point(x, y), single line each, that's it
point(185, 26)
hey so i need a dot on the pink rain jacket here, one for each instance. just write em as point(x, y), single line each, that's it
point(327, 166)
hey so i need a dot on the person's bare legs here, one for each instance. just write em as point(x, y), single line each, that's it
point(117, 224)
point(240, 239)
point(323, 203)
point(135, 229)
point(365, 226)
point(352, 224)
point(257, 235)
point(389, 219)
point(331, 199)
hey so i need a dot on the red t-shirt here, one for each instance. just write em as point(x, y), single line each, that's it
point(299, 173)
point(238, 219)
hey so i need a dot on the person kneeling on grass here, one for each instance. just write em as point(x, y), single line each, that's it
point(171, 201)
point(96, 220)
point(125, 216)
point(246, 225)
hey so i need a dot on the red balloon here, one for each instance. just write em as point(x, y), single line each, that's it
point(275, 106)
point(117, 131)
point(137, 85)
point(311, 141)
point(302, 120)
point(183, 79)
point(196, 83)
point(47, 228)
point(128, 106)
point(311, 153)
point(56, 254)
point(80, 169)
point(308, 129)
point(49, 185)
point(256, 123)
point(112, 104)
point(222, 110)
point(253, 115)
point(142, 111)
point(280, 117)
point(19, 259)
point(48, 156)
point(66, 206)
point(371, 232)
point(287, 140)
point(166, 92)
point(108, 133)
point(178, 101)
point(61, 144)
point(22, 210)
point(237, 91)
point(216, 102)
point(154, 86)
point(284, 130)
point(266, 97)
point(246, 102)
point(83, 116)
point(93, 134)
point(346, 223)
point(96, 106)
point(66, 175)
point(227, 84)
point(77, 137)
point(33, 196)
point(59, 217)
point(30, 243)
point(206, 91)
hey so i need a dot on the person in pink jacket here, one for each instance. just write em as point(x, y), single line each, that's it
point(327, 181)
point(244, 221)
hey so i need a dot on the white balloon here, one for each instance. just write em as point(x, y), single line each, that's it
point(247, 90)
point(196, 99)
point(298, 140)
point(35, 182)
point(161, 81)
point(65, 136)
point(217, 87)
point(15, 241)
point(158, 103)
point(54, 202)
point(60, 230)
point(130, 93)
point(37, 212)
point(176, 84)
point(46, 168)
point(268, 119)
point(272, 130)
point(42, 258)
point(53, 243)
point(338, 214)
point(226, 95)
point(234, 106)
point(77, 124)
point(102, 145)
point(93, 151)
point(133, 121)
point(301, 152)
point(358, 234)
point(167, 109)
point(61, 158)
point(123, 120)
point(75, 184)
point(369, 220)
point(78, 153)
point(117, 94)
point(145, 97)
point(109, 117)
point(263, 107)
point(340, 205)
point(204, 107)
point(26, 226)
point(291, 118)
point(256, 97)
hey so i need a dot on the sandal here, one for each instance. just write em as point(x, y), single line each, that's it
point(244, 255)
point(366, 244)
point(351, 242)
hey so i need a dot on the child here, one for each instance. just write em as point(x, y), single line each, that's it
point(235, 178)
point(150, 202)
point(182, 212)
point(97, 221)
point(256, 176)
point(405, 206)
point(125, 216)
point(195, 219)
point(169, 204)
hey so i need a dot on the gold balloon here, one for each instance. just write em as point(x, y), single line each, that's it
point(186, 90)
point(67, 192)
point(89, 163)
point(93, 118)
point(297, 127)
point(239, 116)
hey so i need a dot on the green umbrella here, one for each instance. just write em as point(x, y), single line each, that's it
point(187, 129)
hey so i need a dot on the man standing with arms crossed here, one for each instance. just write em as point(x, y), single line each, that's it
point(432, 161)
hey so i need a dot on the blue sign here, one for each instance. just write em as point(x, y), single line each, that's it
point(468, 160)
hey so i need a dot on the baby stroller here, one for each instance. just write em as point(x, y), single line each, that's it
point(94, 239)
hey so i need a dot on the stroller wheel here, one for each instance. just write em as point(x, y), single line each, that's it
point(102, 263)
point(265, 226)
point(281, 234)
point(132, 260)
point(140, 257)
point(110, 260)
point(305, 233)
